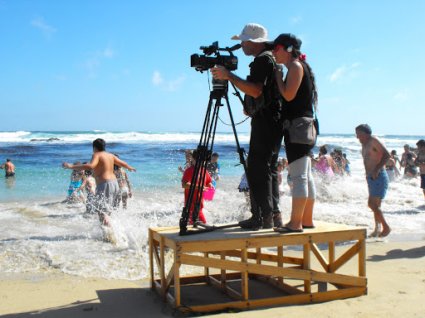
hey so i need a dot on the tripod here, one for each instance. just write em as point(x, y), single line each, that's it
point(204, 151)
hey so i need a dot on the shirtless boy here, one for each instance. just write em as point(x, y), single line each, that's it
point(107, 188)
point(420, 162)
point(375, 155)
point(9, 168)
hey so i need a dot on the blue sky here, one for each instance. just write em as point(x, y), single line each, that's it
point(125, 65)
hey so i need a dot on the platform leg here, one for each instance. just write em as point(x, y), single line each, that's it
point(244, 274)
point(306, 266)
point(177, 293)
point(280, 261)
point(362, 258)
point(151, 259)
point(162, 267)
point(223, 271)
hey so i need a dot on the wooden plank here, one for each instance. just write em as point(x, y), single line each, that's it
point(210, 246)
point(344, 258)
point(306, 266)
point(338, 294)
point(249, 267)
point(284, 300)
point(156, 256)
point(177, 291)
point(280, 261)
point(258, 255)
point(325, 237)
point(319, 256)
point(362, 258)
point(244, 276)
point(287, 239)
point(170, 277)
point(263, 257)
point(291, 290)
point(225, 289)
point(331, 252)
point(162, 265)
point(338, 279)
point(223, 271)
point(206, 269)
point(151, 265)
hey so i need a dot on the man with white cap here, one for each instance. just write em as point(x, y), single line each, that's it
point(266, 129)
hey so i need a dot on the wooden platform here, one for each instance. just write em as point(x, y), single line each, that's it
point(243, 269)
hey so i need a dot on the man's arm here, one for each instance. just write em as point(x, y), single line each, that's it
point(252, 89)
point(122, 163)
point(86, 166)
point(385, 155)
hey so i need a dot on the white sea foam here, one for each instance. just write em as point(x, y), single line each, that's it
point(45, 236)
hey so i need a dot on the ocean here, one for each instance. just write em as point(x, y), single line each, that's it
point(38, 233)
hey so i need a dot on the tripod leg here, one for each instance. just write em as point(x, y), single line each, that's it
point(255, 222)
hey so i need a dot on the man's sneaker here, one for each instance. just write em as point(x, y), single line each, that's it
point(268, 221)
point(277, 219)
point(253, 224)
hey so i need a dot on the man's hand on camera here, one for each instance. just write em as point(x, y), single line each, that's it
point(220, 72)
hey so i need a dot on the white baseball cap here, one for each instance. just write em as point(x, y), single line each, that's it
point(252, 32)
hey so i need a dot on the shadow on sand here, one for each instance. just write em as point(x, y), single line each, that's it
point(127, 302)
point(416, 252)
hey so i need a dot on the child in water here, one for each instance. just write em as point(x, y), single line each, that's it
point(186, 182)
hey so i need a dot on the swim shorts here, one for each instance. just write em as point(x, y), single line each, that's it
point(378, 187)
point(422, 181)
point(106, 193)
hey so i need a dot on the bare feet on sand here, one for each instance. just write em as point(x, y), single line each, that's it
point(375, 233)
point(385, 232)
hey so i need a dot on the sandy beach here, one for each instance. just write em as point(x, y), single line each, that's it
point(396, 288)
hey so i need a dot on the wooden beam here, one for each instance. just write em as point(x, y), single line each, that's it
point(344, 258)
point(244, 276)
point(170, 277)
point(162, 265)
point(225, 289)
point(319, 256)
point(362, 258)
point(307, 266)
point(177, 291)
point(151, 265)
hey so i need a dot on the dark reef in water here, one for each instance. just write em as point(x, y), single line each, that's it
point(45, 139)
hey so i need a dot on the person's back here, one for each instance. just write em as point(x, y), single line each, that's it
point(104, 170)
point(9, 168)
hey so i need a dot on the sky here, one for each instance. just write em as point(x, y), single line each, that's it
point(125, 65)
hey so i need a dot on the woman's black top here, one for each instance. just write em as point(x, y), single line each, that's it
point(300, 106)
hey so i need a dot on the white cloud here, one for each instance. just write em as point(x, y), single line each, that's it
point(93, 62)
point(157, 78)
point(168, 85)
point(46, 29)
point(108, 53)
point(295, 20)
point(401, 96)
point(343, 72)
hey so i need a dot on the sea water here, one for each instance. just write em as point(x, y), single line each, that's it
point(38, 233)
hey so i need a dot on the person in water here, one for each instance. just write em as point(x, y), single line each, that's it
point(107, 189)
point(125, 186)
point(420, 162)
point(9, 168)
point(76, 186)
point(325, 164)
point(186, 182)
point(375, 155)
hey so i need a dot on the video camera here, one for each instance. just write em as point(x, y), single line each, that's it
point(204, 62)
